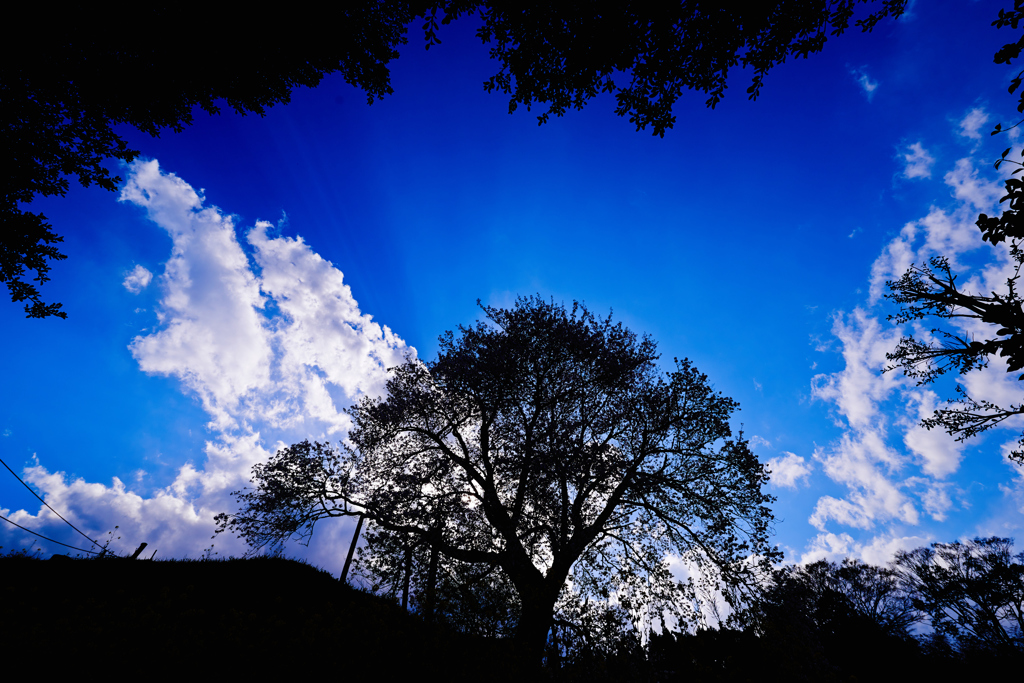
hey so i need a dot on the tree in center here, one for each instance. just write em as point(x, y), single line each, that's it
point(544, 443)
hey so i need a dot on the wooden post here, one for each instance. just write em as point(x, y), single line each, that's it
point(138, 551)
point(351, 549)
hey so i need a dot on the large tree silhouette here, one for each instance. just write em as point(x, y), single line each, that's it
point(64, 88)
point(543, 443)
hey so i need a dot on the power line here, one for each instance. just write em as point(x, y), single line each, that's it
point(45, 538)
point(51, 510)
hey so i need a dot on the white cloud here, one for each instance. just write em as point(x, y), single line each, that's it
point(936, 501)
point(918, 162)
point(137, 280)
point(946, 233)
point(967, 187)
point(879, 550)
point(896, 474)
point(216, 337)
point(864, 462)
point(857, 389)
point(970, 126)
point(759, 441)
point(1008, 521)
point(213, 336)
point(264, 374)
point(788, 471)
point(938, 452)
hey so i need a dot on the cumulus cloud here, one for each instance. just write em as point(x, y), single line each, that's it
point(967, 187)
point(788, 471)
point(218, 339)
point(970, 125)
point(137, 280)
point(897, 475)
point(918, 162)
point(274, 348)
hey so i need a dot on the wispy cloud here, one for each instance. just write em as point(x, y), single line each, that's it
point(880, 550)
point(868, 85)
point(897, 475)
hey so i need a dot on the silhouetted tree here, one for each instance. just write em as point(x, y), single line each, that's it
point(824, 616)
point(931, 291)
point(973, 592)
point(543, 443)
point(64, 88)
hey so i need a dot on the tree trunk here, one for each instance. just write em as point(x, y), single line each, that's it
point(408, 574)
point(535, 621)
point(428, 611)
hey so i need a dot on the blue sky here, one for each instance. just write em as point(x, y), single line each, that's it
point(254, 274)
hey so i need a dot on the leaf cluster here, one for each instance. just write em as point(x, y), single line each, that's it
point(647, 55)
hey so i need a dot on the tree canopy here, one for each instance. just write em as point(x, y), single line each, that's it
point(973, 592)
point(64, 89)
point(930, 290)
point(545, 446)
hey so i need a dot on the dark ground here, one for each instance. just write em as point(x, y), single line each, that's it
point(236, 617)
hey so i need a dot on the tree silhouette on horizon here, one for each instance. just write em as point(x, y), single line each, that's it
point(543, 443)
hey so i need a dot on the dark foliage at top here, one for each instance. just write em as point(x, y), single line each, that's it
point(647, 55)
point(64, 88)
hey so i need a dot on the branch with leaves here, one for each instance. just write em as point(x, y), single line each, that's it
point(931, 291)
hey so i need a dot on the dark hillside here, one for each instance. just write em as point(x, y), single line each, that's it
point(233, 616)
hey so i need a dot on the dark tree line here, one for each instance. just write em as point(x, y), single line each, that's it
point(65, 88)
point(936, 613)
